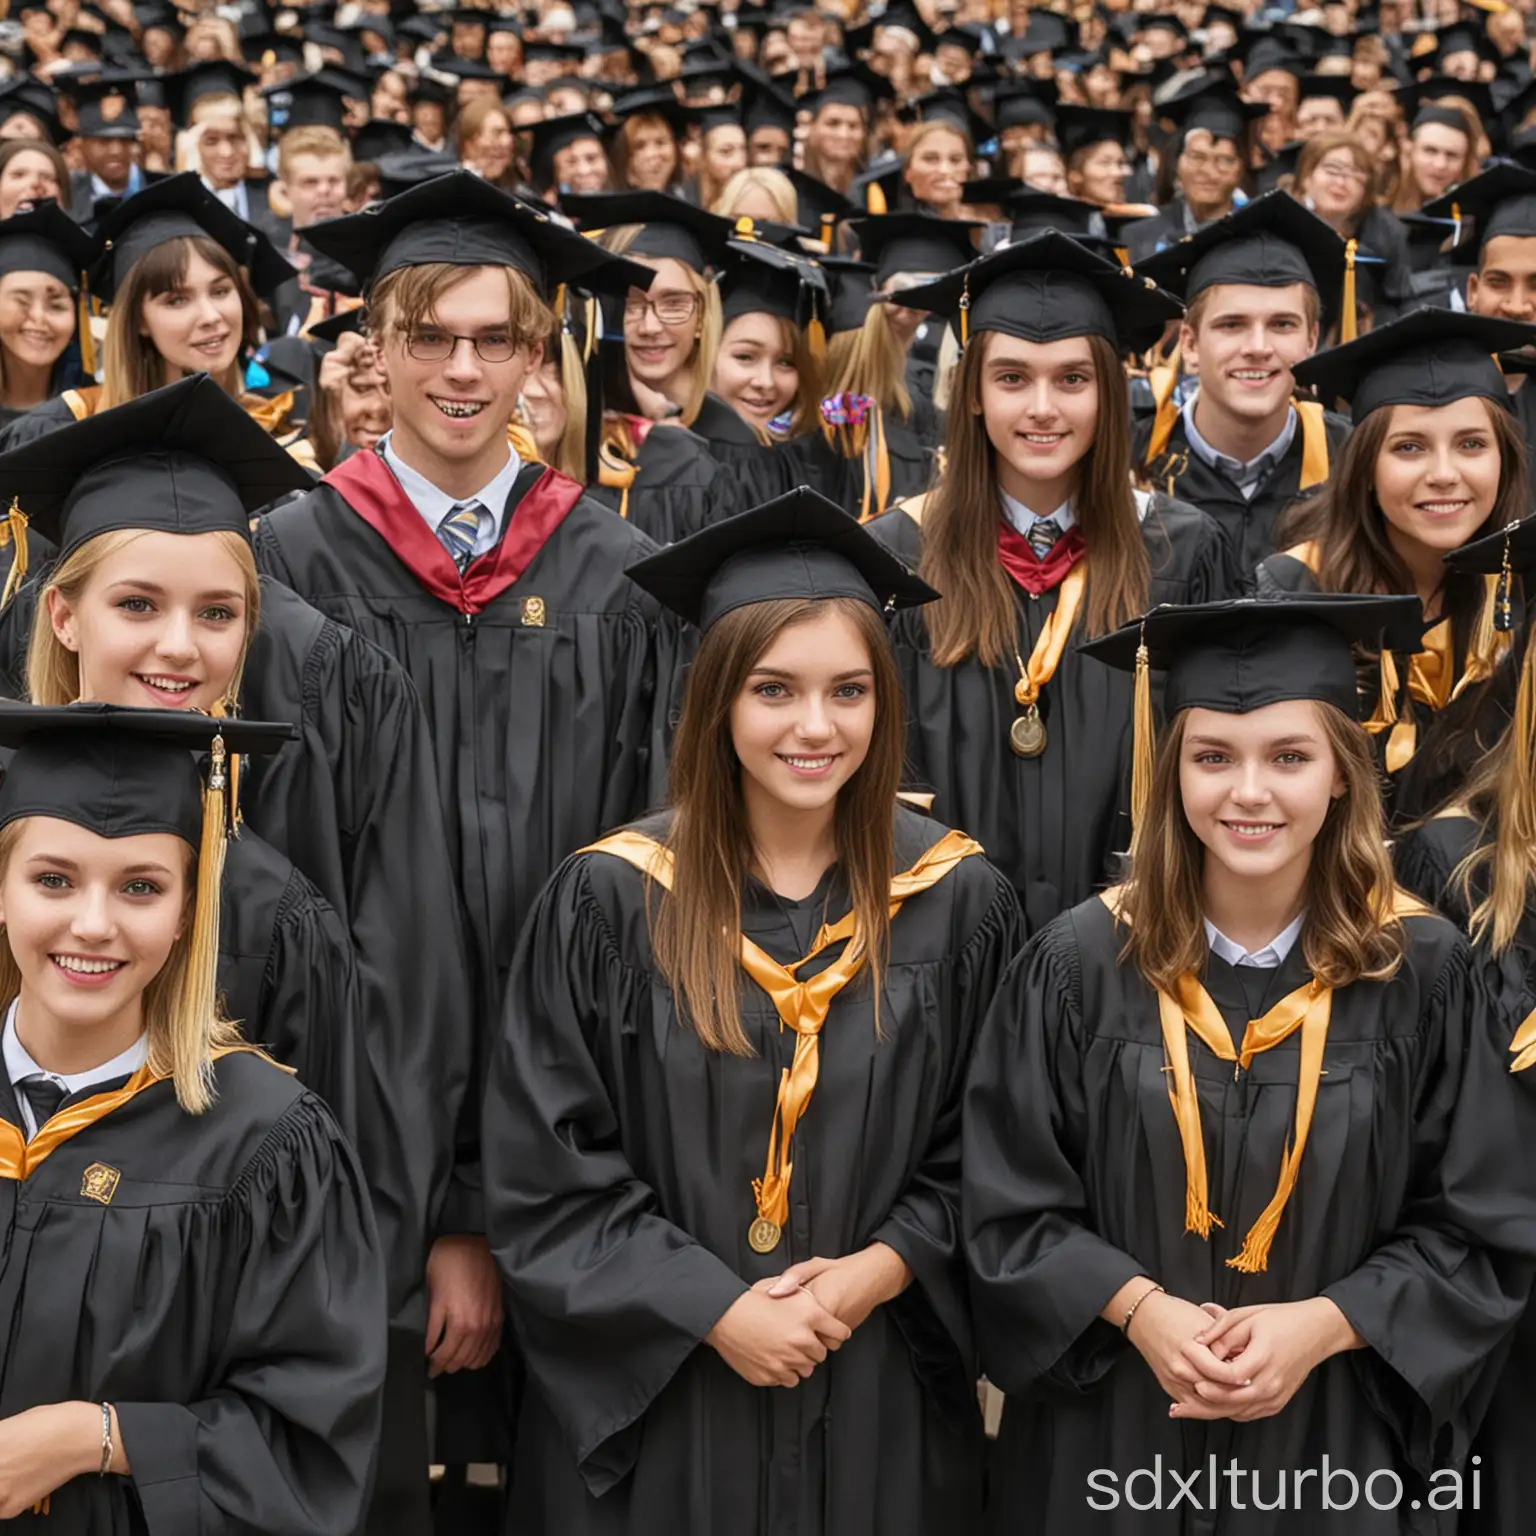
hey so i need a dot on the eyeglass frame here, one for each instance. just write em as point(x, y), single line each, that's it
point(413, 337)
point(638, 303)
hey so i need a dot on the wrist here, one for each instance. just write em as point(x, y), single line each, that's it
point(1335, 1333)
point(885, 1272)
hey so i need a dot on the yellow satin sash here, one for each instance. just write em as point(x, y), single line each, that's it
point(1051, 643)
point(801, 1005)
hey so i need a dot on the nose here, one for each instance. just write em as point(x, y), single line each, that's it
point(1041, 404)
point(175, 640)
point(1250, 788)
point(762, 375)
point(1442, 468)
point(91, 920)
point(1256, 339)
point(814, 724)
point(463, 362)
point(208, 311)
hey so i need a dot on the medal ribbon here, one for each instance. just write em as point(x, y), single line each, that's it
point(801, 1005)
point(1052, 640)
point(1523, 1046)
point(1034, 574)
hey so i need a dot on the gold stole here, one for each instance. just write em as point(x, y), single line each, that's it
point(801, 1005)
point(1308, 1009)
point(1314, 428)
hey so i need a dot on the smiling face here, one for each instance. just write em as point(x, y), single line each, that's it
point(755, 370)
point(802, 723)
point(1436, 155)
point(28, 176)
point(90, 922)
point(724, 153)
point(161, 623)
point(652, 155)
point(221, 150)
point(1040, 402)
point(37, 318)
point(1504, 284)
point(1337, 185)
point(1257, 787)
point(1437, 475)
point(659, 336)
point(544, 406)
point(768, 146)
point(1244, 341)
point(196, 325)
point(1209, 169)
point(582, 166)
point(837, 131)
point(490, 151)
point(937, 168)
point(1098, 176)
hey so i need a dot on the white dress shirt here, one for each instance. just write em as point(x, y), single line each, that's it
point(19, 1064)
point(1271, 957)
point(1023, 519)
point(1247, 475)
point(434, 504)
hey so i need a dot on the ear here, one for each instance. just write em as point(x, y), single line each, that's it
point(62, 617)
point(1472, 292)
point(1189, 346)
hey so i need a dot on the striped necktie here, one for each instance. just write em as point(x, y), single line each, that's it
point(1043, 533)
point(458, 531)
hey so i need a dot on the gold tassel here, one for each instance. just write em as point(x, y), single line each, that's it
point(200, 995)
point(1164, 380)
point(14, 533)
point(1142, 734)
point(1347, 320)
point(816, 339)
point(874, 198)
point(965, 311)
point(83, 322)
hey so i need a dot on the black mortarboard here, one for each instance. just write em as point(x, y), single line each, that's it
point(334, 327)
point(214, 77)
point(1020, 103)
point(1049, 288)
point(1420, 102)
point(1080, 127)
point(116, 771)
point(423, 28)
point(311, 101)
point(264, 49)
point(1048, 29)
point(105, 112)
point(402, 173)
point(652, 101)
point(1271, 242)
point(853, 291)
point(849, 85)
point(552, 134)
point(25, 94)
point(183, 459)
point(763, 279)
point(1502, 199)
point(464, 69)
point(1339, 88)
point(1261, 52)
point(549, 52)
point(1247, 653)
point(764, 105)
point(670, 226)
point(1465, 36)
point(175, 207)
point(425, 88)
point(1429, 357)
point(904, 16)
point(817, 205)
point(947, 105)
point(381, 136)
point(914, 242)
point(799, 545)
point(1212, 104)
point(461, 219)
point(1031, 211)
point(45, 239)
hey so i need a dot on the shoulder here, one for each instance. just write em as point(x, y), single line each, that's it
point(1338, 428)
point(37, 422)
point(1282, 573)
point(1435, 953)
point(974, 884)
point(899, 532)
point(717, 422)
point(1179, 528)
point(675, 454)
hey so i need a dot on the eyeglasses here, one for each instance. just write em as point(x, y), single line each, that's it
point(431, 345)
point(670, 308)
point(1341, 170)
point(1200, 160)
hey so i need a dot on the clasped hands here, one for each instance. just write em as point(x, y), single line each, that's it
point(777, 1333)
point(1243, 1363)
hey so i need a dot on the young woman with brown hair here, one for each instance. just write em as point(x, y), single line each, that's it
point(681, 989)
point(1037, 539)
point(1219, 1191)
point(1435, 459)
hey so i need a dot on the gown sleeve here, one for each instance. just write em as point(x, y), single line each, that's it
point(608, 1296)
point(1039, 1275)
point(1433, 1303)
point(924, 1224)
point(284, 1440)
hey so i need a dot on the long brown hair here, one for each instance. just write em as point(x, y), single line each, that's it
point(132, 366)
point(977, 615)
point(1346, 523)
point(695, 929)
point(1349, 933)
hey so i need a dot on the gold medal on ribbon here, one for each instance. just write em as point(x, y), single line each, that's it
point(1027, 734)
point(764, 1235)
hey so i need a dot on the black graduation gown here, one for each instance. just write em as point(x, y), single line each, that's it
point(1052, 823)
point(222, 1290)
point(620, 1155)
point(1074, 1184)
point(1426, 860)
point(1248, 523)
point(1523, 402)
point(38, 422)
point(762, 471)
point(842, 480)
point(679, 486)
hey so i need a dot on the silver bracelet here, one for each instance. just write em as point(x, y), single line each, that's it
point(1125, 1327)
point(106, 1438)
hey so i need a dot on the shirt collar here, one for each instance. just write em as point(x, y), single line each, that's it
point(1271, 957)
point(1242, 473)
point(19, 1062)
point(1023, 519)
point(434, 504)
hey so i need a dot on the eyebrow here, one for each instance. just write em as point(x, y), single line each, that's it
point(1299, 740)
point(156, 590)
point(842, 677)
point(70, 864)
point(1020, 364)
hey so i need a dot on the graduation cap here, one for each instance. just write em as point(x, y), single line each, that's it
point(849, 85)
point(799, 545)
point(1420, 102)
point(764, 105)
point(947, 105)
point(1431, 357)
point(1030, 211)
point(1262, 52)
point(1464, 36)
point(45, 239)
point(1021, 103)
point(1079, 128)
point(903, 16)
point(915, 242)
point(1502, 199)
point(669, 226)
point(24, 94)
point(464, 69)
point(966, 36)
point(764, 279)
point(311, 101)
point(170, 209)
point(1049, 288)
point(422, 27)
point(330, 330)
point(1271, 242)
point(1337, 88)
point(401, 173)
point(200, 81)
point(852, 286)
point(425, 88)
point(461, 219)
point(552, 134)
point(545, 51)
point(266, 49)
point(816, 204)
point(381, 136)
point(1214, 105)
point(104, 112)
point(653, 101)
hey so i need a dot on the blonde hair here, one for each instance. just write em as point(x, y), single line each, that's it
point(53, 670)
point(870, 361)
point(774, 185)
point(1349, 934)
point(401, 300)
point(805, 412)
point(183, 1032)
point(706, 344)
point(313, 139)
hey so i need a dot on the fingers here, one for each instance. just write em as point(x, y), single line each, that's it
point(785, 1285)
point(1212, 1369)
point(1226, 1323)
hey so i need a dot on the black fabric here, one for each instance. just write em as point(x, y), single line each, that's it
point(43, 1096)
point(1075, 1185)
point(763, 471)
point(1052, 824)
point(228, 1301)
point(679, 487)
point(620, 1156)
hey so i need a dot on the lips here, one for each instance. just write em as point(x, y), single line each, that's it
point(808, 766)
point(1254, 831)
point(166, 689)
point(458, 410)
point(87, 970)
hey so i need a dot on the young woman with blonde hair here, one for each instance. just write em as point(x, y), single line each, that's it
point(1226, 1166)
point(1037, 539)
point(760, 193)
point(784, 958)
